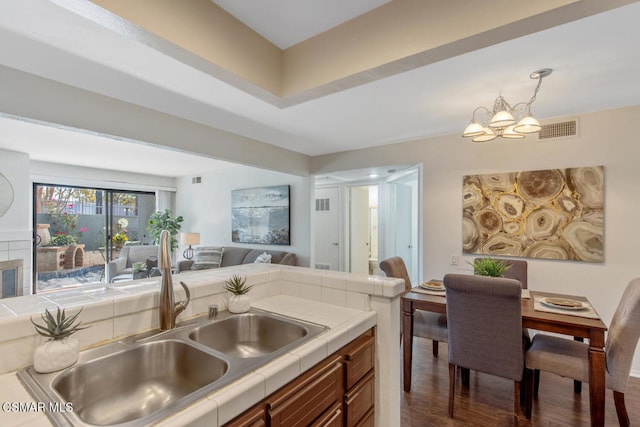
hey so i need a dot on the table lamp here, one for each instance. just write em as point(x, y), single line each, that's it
point(189, 239)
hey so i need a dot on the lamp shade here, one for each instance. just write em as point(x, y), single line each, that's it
point(501, 119)
point(510, 133)
point(189, 238)
point(528, 124)
point(473, 129)
point(489, 135)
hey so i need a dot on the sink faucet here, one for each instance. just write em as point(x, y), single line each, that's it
point(168, 309)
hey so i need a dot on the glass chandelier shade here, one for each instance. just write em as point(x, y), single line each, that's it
point(504, 120)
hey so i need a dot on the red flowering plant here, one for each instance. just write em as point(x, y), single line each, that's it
point(65, 222)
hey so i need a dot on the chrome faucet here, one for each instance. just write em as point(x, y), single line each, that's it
point(168, 309)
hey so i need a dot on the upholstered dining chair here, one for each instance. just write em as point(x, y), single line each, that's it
point(484, 321)
point(570, 358)
point(432, 326)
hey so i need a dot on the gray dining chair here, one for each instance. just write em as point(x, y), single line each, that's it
point(569, 358)
point(432, 326)
point(484, 321)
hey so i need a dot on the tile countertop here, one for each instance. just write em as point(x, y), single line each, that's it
point(223, 405)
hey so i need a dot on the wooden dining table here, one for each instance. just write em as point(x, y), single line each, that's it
point(575, 326)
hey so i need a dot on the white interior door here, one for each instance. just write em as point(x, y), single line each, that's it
point(327, 229)
point(359, 227)
point(403, 224)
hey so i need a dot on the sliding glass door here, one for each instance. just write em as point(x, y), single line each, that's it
point(79, 230)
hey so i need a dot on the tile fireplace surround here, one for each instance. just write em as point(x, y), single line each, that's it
point(18, 249)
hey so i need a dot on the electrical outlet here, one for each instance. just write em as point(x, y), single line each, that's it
point(454, 260)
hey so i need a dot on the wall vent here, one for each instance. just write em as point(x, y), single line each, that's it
point(559, 130)
point(322, 205)
point(320, 266)
point(196, 180)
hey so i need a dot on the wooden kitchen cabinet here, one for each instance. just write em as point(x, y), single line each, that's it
point(300, 403)
point(337, 392)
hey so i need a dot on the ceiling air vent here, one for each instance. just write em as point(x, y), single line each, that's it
point(559, 130)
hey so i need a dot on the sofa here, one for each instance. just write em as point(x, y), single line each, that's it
point(121, 268)
point(233, 255)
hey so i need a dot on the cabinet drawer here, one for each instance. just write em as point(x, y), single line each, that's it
point(360, 400)
point(303, 404)
point(359, 360)
point(331, 418)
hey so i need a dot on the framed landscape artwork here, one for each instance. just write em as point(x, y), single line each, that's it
point(551, 214)
point(260, 215)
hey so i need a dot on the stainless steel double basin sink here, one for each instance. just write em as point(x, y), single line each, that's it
point(141, 379)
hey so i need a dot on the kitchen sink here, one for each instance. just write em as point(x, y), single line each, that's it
point(249, 334)
point(141, 379)
point(137, 382)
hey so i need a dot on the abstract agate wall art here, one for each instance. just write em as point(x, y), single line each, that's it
point(260, 215)
point(551, 214)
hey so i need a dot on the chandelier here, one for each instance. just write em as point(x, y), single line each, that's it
point(504, 120)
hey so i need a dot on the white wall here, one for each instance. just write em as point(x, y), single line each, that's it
point(15, 224)
point(206, 206)
point(605, 138)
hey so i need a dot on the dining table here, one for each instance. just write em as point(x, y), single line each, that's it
point(592, 329)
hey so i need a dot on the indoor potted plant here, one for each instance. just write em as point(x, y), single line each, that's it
point(489, 267)
point(239, 301)
point(60, 350)
point(139, 270)
point(159, 221)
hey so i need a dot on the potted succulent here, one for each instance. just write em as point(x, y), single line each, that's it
point(239, 301)
point(139, 270)
point(489, 267)
point(60, 350)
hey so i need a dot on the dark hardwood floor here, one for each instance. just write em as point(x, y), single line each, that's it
point(489, 400)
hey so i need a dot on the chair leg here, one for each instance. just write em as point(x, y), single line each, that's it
point(465, 375)
point(536, 382)
point(528, 399)
point(452, 387)
point(621, 409)
point(434, 347)
point(577, 385)
point(516, 399)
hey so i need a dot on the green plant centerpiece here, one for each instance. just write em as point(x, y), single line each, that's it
point(159, 221)
point(490, 267)
point(239, 301)
point(60, 350)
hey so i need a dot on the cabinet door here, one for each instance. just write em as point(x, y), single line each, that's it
point(254, 417)
point(305, 401)
point(359, 400)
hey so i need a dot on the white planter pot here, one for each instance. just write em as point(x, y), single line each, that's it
point(53, 355)
point(239, 303)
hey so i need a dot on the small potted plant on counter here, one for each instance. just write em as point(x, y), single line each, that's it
point(239, 301)
point(60, 350)
point(490, 267)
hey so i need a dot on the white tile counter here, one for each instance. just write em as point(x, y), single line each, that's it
point(348, 304)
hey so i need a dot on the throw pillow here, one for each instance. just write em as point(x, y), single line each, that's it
point(263, 258)
point(207, 257)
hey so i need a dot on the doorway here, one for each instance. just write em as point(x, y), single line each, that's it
point(402, 221)
point(363, 229)
point(80, 229)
